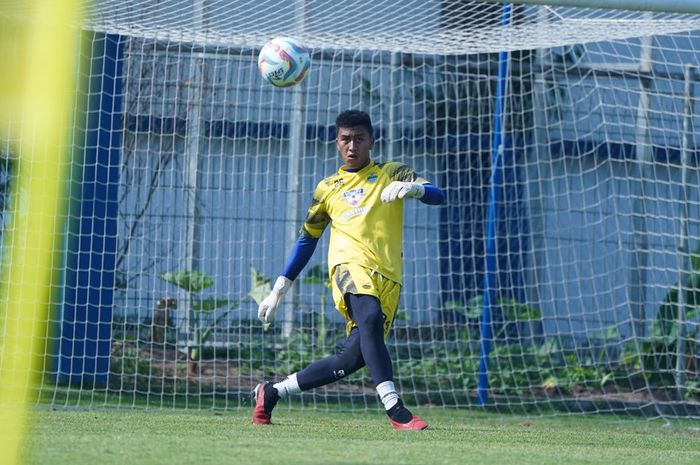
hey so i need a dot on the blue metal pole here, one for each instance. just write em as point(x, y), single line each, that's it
point(495, 190)
point(86, 319)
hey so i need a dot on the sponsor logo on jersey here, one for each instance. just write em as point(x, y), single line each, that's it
point(354, 196)
point(353, 212)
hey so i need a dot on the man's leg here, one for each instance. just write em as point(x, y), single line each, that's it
point(319, 373)
point(330, 369)
point(366, 312)
point(364, 345)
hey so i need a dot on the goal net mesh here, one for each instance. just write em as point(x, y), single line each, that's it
point(192, 176)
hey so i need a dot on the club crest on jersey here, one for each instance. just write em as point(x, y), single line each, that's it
point(353, 196)
point(372, 178)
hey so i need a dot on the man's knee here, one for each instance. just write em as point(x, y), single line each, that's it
point(348, 367)
point(348, 361)
point(366, 311)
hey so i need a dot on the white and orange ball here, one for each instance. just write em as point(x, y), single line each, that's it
point(284, 62)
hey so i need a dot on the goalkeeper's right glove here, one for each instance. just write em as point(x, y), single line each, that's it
point(400, 189)
point(268, 307)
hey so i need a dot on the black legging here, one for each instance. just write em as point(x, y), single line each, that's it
point(364, 346)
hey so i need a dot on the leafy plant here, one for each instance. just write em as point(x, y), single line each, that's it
point(517, 368)
point(193, 282)
point(656, 355)
point(259, 286)
point(665, 324)
point(472, 310)
point(513, 313)
point(296, 353)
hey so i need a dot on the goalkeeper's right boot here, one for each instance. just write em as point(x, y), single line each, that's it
point(266, 398)
point(402, 418)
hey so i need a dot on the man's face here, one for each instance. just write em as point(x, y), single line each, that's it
point(354, 145)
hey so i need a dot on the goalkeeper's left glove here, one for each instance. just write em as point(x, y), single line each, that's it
point(400, 189)
point(268, 307)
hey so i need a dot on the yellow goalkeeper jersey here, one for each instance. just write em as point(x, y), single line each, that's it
point(364, 230)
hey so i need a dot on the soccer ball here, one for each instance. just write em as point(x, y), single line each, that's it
point(284, 62)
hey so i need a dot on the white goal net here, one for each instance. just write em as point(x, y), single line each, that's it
point(561, 275)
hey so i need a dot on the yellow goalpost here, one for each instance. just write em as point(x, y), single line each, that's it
point(37, 54)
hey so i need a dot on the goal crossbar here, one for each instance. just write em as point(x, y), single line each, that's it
point(663, 6)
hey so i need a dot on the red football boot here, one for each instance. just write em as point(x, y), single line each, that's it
point(415, 424)
point(265, 401)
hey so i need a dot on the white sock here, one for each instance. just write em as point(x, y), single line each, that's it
point(387, 393)
point(288, 386)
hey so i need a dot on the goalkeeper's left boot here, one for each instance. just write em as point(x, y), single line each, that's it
point(266, 398)
point(402, 418)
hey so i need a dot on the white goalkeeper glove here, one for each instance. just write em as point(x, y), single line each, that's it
point(268, 307)
point(400, 189)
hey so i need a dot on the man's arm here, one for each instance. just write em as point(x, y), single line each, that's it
point(432, 195)
point(426, 193)
point(406, 183)
point(299, 256)
point(316, 221)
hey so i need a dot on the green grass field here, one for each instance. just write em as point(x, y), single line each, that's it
point(303, 436)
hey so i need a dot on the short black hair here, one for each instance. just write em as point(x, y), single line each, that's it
point(354, 118)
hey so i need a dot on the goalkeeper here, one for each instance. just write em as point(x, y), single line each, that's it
point(363, 203)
